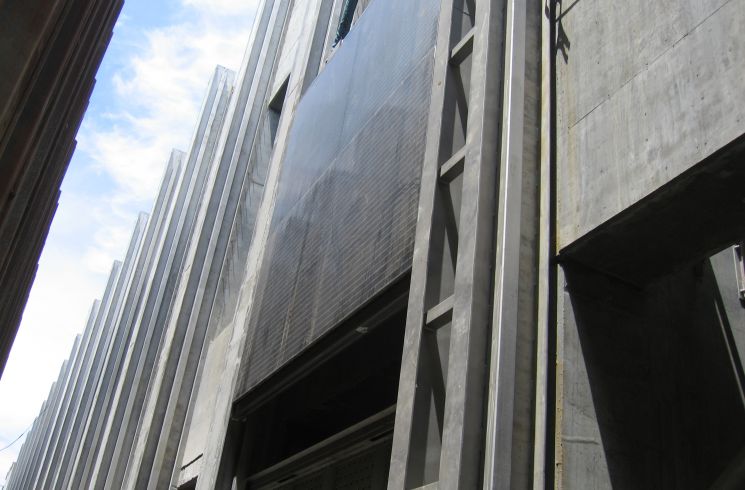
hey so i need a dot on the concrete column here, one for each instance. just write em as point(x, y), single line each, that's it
point(510, 438)
point(180, 232)
point(30, 443)
point(46, 415)
point(154, 239)
point(304, 67)
point(45, 463)
point(108, 358)
point(65, 446)
point(52, 415)
point(51, 51)
point(162, 422)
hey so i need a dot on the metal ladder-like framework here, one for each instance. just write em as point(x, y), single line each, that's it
point(446, 436)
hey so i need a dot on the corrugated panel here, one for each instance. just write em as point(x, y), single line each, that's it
point(347, 199)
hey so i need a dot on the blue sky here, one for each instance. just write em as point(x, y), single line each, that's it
point(146, 101)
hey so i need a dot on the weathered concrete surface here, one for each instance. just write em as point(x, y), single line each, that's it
point(77, 412)
point(648, 394)
point(44, 462)
point(186, 288)
point(645, 90)
point(107, 369)
point(29, 476)
point(196, 428)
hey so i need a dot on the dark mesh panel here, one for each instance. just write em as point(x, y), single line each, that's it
point(344, 222)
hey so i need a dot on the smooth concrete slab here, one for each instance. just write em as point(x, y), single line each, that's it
point(645, 91)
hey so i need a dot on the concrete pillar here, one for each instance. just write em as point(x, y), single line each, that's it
point(50, 52)
point(54, 414)
point(45, 463)
point(303, 68)
point(106, 371)
point(46, 416)
point(153, 242)
point(64, 448)
point(162, 422)
point(29, 445)
point(180, 232)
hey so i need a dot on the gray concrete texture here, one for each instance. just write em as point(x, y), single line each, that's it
point(644, 91)
point(563, 375)
point(168, 265)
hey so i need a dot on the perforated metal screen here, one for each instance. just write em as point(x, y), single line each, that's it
point(346, 208)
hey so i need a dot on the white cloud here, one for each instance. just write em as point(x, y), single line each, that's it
point(163, 85)
point(224, 7)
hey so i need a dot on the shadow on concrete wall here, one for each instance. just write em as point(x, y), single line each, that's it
point(664, 393)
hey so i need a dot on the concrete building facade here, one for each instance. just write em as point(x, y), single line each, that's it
point(50, 51)
point(447, 244)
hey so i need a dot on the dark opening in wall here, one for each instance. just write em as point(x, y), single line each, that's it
point(190, 485)
point(350, 13)
point(333, 415)
point(275, 109)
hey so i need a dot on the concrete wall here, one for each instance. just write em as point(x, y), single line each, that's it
point(649, 143)
point(636, 380)
point(649, 383)
point(644, 91)
point(196, 430)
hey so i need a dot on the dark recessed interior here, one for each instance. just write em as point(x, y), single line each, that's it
point(355, 384)
point(662, 377)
